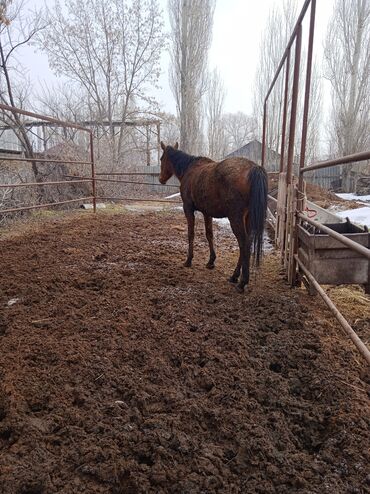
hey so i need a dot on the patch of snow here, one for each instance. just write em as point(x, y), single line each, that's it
point(142, 208)
point(225, 224)
point(173, 195)
point(334, 208)
point(354, 197)
point(13, 301)
point(361, 216)
point(99, 205)
point(222, 222)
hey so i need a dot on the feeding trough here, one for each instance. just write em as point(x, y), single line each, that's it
point(330, 261)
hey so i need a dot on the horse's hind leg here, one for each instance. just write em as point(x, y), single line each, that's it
point(245, 264)
point(238, 227)
point(235, 276)
point(209, 235)
point(191, 221)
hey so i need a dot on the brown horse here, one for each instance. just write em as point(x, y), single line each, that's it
point(235, 188)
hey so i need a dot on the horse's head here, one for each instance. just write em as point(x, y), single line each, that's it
point(166, 166)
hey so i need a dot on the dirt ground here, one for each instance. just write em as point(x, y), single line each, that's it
point(121, 371)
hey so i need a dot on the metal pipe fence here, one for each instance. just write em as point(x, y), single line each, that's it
point(120, 181)
point(93, 178)
point(291, 194)
point(48, 205)
point(119, 198)
point(35, 159)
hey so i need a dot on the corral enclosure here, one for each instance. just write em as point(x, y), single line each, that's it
point(122, 371)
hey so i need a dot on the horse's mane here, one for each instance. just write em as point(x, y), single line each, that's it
point(181, 161)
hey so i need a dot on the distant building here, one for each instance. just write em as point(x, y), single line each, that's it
point(328, 178)
point(253, 152)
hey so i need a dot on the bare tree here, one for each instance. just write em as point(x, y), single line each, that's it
point(64, 102)
point(217, 144)
point(347, 67)
point(4, 5)
point(279, 26)
point(16, 30)
point(314, 129)
point(111, 52)
point(170, 130)
point(240, 129)
point(191, 32)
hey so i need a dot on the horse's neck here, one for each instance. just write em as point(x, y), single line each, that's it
point(182, 165)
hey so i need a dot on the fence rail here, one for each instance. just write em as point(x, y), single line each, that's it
point(40, 206)
point(344, 160)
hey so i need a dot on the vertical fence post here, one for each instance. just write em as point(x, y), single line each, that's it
point(93, 170)
point(289, 241)
point(147, 145)
point(159, 143)
point(280, 219)
point(264, 133)
point(302, 158)
point(306, 101)
point(293, 113)
point(285, 112)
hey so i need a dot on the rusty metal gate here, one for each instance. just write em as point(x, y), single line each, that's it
point(35, 159)
point(290, 217)
point(90, 176)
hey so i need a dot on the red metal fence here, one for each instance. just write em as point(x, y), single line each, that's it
point(31, 160)
point(70, 179)
point(291, 193)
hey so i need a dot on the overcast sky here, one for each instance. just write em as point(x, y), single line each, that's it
point(238, 26)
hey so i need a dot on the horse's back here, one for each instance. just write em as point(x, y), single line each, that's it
point(233, 173)
point(234, 166)
point(218, 188)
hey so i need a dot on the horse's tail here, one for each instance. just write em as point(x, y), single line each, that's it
point(257, 209)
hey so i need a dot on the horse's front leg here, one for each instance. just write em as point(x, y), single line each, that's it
point(191, 221)
point(209, 235)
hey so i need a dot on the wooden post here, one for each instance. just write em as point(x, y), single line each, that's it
point(281, 213)
point(147, 145)
point(292, 231)
point(159, 143)
point(44, 135)
point(287, 226)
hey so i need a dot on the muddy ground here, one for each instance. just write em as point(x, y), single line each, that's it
point(123, 372)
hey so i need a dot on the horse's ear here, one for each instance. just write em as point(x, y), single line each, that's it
point(176, 146)
point(163, 145)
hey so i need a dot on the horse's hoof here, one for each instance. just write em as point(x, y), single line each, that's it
point(233, 279)
point(187, 264)
point(210, 265)
point(239, 288)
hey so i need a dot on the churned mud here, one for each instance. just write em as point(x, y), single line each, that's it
point(121, 371)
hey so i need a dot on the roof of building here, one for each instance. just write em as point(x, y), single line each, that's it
point(253, 150)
